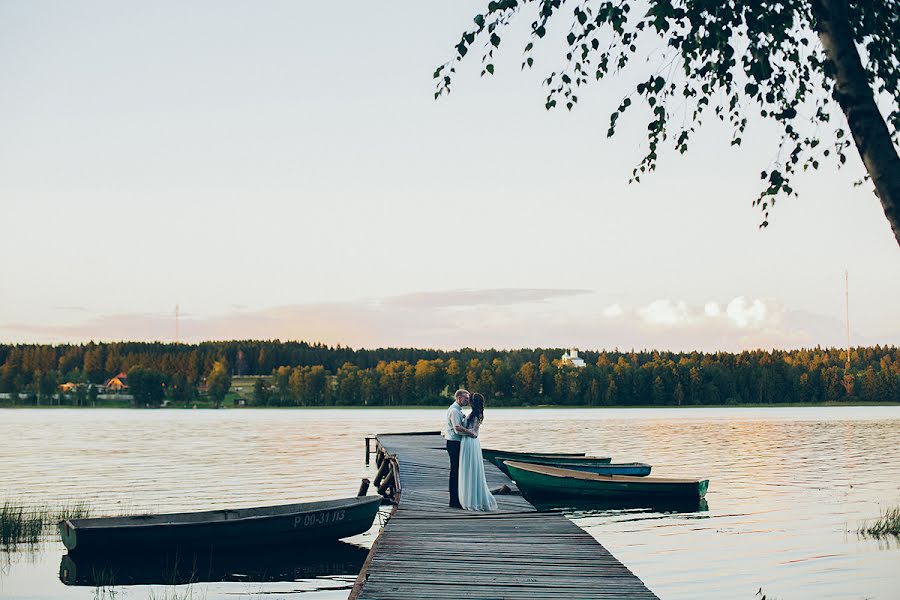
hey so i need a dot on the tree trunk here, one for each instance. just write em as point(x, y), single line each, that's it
point(852, 91)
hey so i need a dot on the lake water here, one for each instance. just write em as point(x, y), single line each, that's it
point(789, 488)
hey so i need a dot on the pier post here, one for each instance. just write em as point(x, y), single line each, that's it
point(368, 449)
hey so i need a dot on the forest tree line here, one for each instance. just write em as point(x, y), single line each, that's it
point(302, 374)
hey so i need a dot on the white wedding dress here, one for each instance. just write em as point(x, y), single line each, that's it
point(473, 488)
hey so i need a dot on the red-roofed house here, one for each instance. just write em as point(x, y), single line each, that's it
point(118, 383)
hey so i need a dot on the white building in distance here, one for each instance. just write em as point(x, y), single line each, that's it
point(571, 357)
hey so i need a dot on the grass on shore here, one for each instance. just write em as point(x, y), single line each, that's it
point(887, 524)
point(19, 525)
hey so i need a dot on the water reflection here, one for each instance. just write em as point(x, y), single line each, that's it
point(790, 486)
point(175, 566)
point(577, 509)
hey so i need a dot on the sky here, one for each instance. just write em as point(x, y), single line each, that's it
point(282, 170)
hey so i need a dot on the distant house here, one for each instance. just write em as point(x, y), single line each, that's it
point(117, 383)
point(68, 387)
point(571, 358)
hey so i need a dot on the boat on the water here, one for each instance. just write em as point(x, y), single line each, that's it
point(544, 481)
point(512, 455)
point(558, 458)
point(328, 520)
point(587, 465)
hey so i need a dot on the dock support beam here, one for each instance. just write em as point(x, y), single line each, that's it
point(369, 439)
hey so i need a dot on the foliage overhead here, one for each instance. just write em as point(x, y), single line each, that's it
point(729, 59)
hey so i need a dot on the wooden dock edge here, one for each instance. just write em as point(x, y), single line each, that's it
point(363, 572)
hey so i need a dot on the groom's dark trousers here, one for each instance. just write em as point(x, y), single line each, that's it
point(453, 451)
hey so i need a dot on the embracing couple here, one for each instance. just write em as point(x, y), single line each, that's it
point(468, 486)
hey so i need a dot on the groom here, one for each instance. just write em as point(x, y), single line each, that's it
point(455, 417)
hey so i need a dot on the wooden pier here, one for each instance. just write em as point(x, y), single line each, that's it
point(430, 551)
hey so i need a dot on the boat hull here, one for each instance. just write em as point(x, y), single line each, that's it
point(499, 456)
point(588, 466)
point(566, 483)
point(268, 525)
point(512, 455)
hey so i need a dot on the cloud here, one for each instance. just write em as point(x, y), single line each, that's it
point(507, 318)
point(612, 311)
point(744, 313)
point(666, 312)
point(489, 297)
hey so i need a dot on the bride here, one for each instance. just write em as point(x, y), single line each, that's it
point(473, 488)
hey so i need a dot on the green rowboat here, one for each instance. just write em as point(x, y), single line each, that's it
point(543, 481)
point(329, 520)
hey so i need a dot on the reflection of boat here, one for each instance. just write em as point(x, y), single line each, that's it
point(498, 456)
point(543, 481)
point(332, 519)
point(587, 464)
point(578, 507)
point(175, 566)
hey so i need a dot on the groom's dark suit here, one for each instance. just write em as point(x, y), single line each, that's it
point(453, 451)
point(454, 417)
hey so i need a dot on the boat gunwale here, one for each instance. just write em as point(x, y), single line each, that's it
point(592, 464)
point(521, 453)
point(123, 522)
point(598, 477)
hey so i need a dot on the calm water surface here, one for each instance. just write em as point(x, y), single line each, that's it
point(789, 488)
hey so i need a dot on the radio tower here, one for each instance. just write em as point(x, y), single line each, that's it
point(176, 323)
point(847, 311)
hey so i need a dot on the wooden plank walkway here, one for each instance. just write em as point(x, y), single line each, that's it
point(430, 551)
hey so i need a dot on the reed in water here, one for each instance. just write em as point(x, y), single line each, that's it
point(20, 525)
point(887, 524)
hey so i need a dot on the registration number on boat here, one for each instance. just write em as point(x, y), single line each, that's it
point(324, 518)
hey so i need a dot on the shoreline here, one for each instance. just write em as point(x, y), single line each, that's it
point(826, 404)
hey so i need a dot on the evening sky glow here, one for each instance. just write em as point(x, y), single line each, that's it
point(281, 170)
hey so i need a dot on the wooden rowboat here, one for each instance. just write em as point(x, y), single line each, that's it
point(558, 459)
point(329, 520)
point(544, 481)
point(511, 455)
point(588, 465)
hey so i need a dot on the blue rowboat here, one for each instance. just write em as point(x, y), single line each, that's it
point(635, 469)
